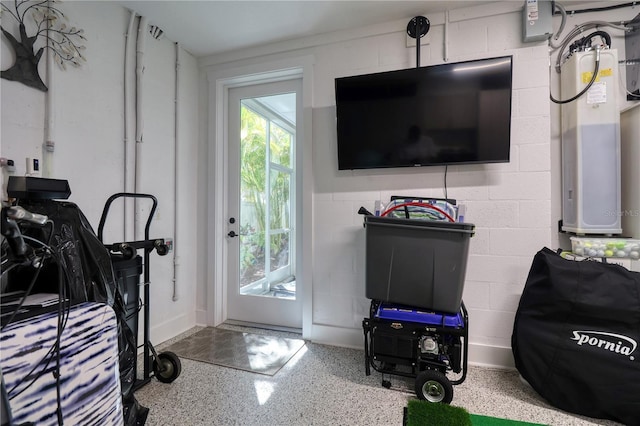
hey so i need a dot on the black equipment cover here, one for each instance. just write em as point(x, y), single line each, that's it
point(89, 271)
point(576, 334)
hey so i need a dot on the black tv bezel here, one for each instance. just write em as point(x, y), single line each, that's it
point(505, 159)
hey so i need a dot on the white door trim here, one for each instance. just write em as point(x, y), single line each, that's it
point(220, 81)
point(246, 307)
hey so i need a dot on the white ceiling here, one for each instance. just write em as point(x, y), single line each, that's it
point(214, 26)
point(208, 27)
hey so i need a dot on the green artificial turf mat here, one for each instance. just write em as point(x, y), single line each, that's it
point(423, 413)
point(477, 420)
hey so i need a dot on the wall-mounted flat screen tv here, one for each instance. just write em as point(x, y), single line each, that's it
point(454, 113)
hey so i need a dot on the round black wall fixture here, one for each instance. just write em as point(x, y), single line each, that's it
point(418, 27)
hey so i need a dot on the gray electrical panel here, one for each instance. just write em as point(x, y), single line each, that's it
point(536, 20)
point(632, 52)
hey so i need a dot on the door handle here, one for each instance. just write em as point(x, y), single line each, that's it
point(232, 234)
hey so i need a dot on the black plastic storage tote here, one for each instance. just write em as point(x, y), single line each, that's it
point(576, 334)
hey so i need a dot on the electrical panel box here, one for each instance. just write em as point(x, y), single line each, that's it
point(537, 24)
point(591, 172)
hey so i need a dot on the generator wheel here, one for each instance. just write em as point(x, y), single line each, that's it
point(167, 367)
point(433, 386)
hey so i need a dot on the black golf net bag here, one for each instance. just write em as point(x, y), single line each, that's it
point(576, 334)
point(90, 279)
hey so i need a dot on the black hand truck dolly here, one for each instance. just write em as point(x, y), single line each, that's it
point(409, 342)
point(128, 266)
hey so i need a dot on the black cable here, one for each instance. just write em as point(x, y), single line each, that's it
point(61, 301)
point(28, 291)
point(603, 35)
point(62, 321)
point(599, 9)
point(7, 270)
point(63, 278)
point(64, 291)
point(46, 358)
point(47, 250)
point(593, 78)
point(63, 285)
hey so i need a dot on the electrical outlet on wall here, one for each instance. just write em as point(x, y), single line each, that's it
point(425, 40)
point(32, 167)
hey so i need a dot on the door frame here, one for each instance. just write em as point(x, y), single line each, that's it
point(219, 82)
point(276, 311)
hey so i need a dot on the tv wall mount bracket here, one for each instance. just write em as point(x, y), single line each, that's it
point(417, 28)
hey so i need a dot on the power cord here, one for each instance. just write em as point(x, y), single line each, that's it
point(593, 79)
point(61, 325)
point(48, 251)
point(27, 292)
point(64, 309)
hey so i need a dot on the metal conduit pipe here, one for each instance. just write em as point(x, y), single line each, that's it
point(176, 167)
point(140, 49)
point(128, 212)
point(446, 36)
point(49, 111)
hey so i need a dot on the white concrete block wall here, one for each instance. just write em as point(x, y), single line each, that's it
point(514, 206)
point(505, 242)
point(89, 152)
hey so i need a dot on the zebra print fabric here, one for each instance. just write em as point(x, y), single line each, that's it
point(89, 372)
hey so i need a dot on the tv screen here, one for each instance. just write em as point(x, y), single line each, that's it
point(454, 113)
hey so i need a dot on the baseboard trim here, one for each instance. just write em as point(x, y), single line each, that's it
point(201, 318)
point(337, 336)
point(166, 330)
point(491, 356)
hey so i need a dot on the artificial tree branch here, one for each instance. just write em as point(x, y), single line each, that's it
point(12, 40)
point(62, 43)
point(6, 9)
point(35, 5)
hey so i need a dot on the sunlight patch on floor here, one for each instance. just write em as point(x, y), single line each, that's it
point(264, 390)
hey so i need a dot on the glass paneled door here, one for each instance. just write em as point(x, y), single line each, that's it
point(261, 235)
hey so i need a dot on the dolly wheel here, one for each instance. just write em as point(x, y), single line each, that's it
point(434, 386)
point(167, 367)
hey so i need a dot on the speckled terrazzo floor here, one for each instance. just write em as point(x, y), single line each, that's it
point(327, 385)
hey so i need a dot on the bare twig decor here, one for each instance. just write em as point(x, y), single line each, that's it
point(63, 42)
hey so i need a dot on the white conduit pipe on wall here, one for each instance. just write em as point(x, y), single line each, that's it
point(446, 36)
point(49, 144)
point(142, 39)
point(128, 212)
point(176, 222)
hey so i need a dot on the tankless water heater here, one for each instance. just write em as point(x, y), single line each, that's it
point(591, 145)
